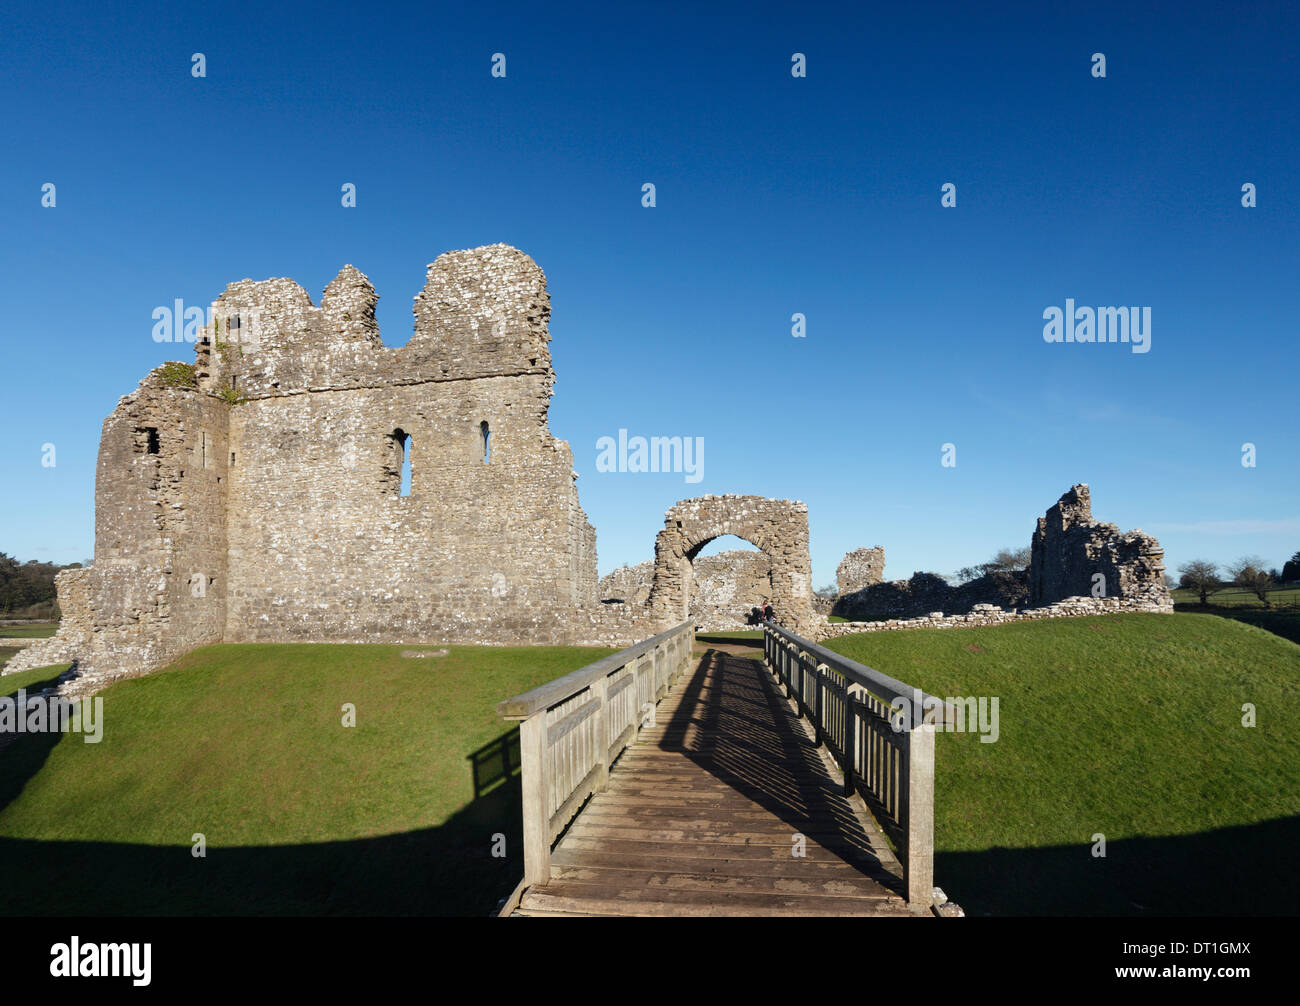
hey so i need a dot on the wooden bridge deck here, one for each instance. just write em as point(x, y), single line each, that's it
point(700, 816)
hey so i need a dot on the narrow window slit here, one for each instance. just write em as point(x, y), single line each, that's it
point(397, 464)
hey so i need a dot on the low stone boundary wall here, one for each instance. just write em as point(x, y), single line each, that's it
point(991, 614)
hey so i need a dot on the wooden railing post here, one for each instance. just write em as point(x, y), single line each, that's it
point(600, 689)
point(850, 748)
point(822, 726)
point(918, 863)
point(537, 817)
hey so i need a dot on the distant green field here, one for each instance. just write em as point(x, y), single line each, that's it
point(1282, 616)
point(41, 630)
point(1233, 596)
point(1128, 726)
point(302, 816)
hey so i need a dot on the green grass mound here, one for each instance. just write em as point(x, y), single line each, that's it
point(1128, 726)
point(245, 745)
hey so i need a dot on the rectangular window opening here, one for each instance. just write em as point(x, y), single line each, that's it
point(146, 440)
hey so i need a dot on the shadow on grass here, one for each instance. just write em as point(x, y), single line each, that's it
point(754, 642)
point(1284, 622)
point(447, 870)
point(1239, 871)
point(495, 762)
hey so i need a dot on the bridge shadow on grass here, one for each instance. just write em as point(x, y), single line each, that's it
point(445, 870)
point(495, 762)
point(1239, 871)
point(734, 722)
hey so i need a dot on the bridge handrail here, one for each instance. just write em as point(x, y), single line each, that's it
point(572, 729)
point(544, 696)
point(877, 682)
point(888, 758)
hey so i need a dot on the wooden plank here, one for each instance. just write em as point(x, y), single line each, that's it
point(734, 865)
point(577, 842)
point(837, 884)
point(826, 839)
point(615, 900)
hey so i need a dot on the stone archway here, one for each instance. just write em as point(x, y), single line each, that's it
point(777, 527)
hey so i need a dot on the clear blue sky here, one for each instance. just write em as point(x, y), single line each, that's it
point(775, 195)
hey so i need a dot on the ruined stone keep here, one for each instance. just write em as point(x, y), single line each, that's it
point(303, 482)
point(261, 497)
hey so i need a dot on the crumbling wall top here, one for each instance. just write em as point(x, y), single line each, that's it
point(483, 312)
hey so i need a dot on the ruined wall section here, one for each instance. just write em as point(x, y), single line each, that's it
point(1069, 548)
point(158, 582)
point(777, 527)
point(482, 312)
point(724, 587)
point(628, 584)
point(927, 593)
point(860, 568)
point(582, 550)
point(490, 545)
point(727, 585)
point(323, 545)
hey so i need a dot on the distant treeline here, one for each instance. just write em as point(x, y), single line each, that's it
point(27, 588)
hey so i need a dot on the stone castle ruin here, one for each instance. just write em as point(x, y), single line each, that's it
point(1073, 558)
point(301, 481)
point(259, 494)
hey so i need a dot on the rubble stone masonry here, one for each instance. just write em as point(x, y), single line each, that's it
point(260, 496)
point(725, 587)
point(860, 568)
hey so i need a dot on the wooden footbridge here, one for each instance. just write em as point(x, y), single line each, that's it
point(715, 784)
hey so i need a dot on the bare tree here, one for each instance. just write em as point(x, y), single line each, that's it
point(1249, 574)
point(1202, 576)
point(1007, 560)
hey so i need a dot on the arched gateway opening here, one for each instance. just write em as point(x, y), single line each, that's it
point(730, 577)
point(779, 528)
